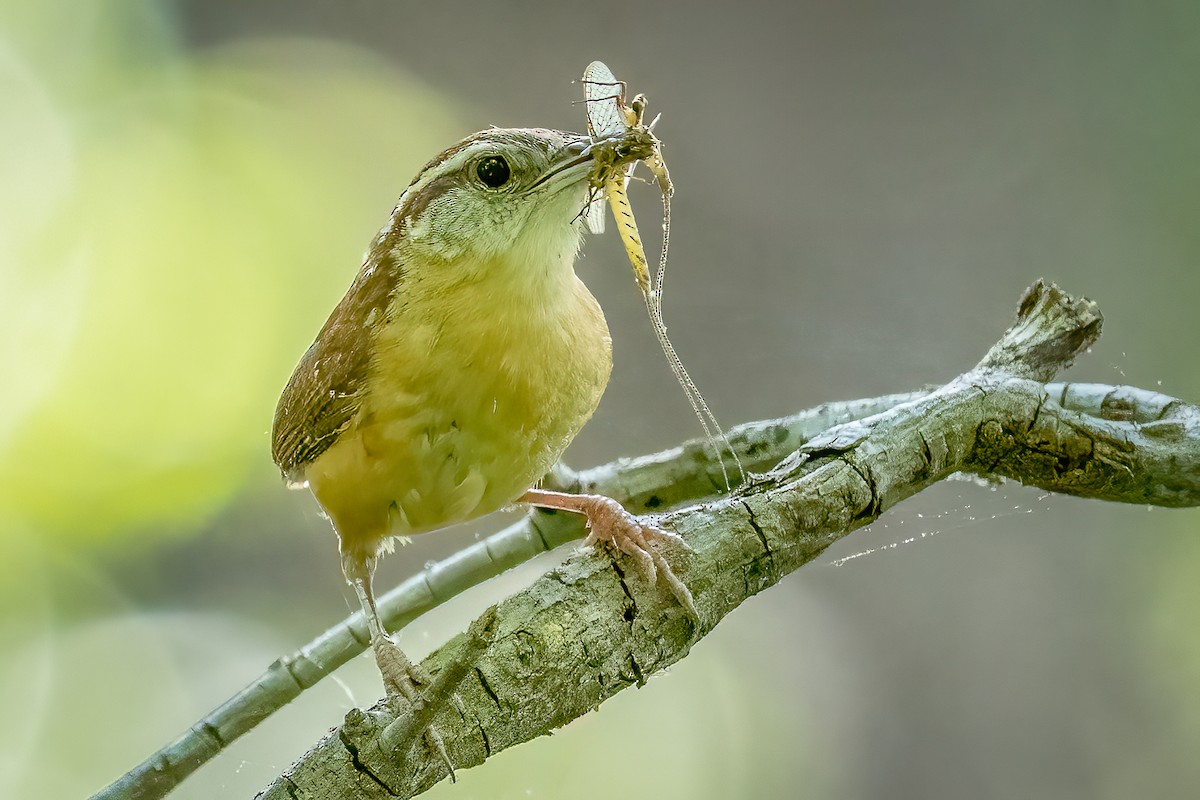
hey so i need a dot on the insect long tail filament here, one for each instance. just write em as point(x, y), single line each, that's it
point(627, 225)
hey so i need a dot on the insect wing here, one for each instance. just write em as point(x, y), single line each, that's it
point(603, 93)
point(593, 214)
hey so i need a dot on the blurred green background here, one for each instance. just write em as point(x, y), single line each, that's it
point(864, 189)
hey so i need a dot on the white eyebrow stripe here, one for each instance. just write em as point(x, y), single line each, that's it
point(482, 143)
point(449, 165)
point(456, 158)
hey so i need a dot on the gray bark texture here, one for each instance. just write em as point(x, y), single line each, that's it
point(999, 420)
point(596, 625)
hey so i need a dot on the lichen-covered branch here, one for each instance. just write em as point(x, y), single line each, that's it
point(1110, 443)
point(649, 483)
point(591, 627)
point(1144, 445)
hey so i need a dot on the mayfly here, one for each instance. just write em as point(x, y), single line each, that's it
point(622, 138)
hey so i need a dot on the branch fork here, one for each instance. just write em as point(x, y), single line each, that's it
point(593, 627)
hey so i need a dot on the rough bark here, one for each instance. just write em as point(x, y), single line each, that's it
point(588, 629)
point(594, 626)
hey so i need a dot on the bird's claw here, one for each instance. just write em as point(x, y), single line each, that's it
point(609, 522)
point(403, 678)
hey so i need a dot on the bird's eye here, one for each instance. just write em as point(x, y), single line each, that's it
point(493, 171)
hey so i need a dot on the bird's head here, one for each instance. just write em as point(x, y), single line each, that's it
point(501, 199)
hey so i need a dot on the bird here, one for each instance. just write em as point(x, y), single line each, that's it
point(463, 359)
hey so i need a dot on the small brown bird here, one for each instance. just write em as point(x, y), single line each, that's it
point(462, 361)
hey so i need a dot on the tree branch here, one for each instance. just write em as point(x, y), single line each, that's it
point(645, 484)
point(588, 629)
point(1145, 445)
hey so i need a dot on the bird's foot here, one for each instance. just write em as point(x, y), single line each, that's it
point(403, 678)
point(400, 675)
point(609, 522)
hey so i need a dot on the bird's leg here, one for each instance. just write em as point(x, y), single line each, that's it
point(609, 522)
point(400, 675)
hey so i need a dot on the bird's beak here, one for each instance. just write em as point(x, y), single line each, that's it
point(571, 165)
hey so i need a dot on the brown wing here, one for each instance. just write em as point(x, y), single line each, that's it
point(326, 388)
